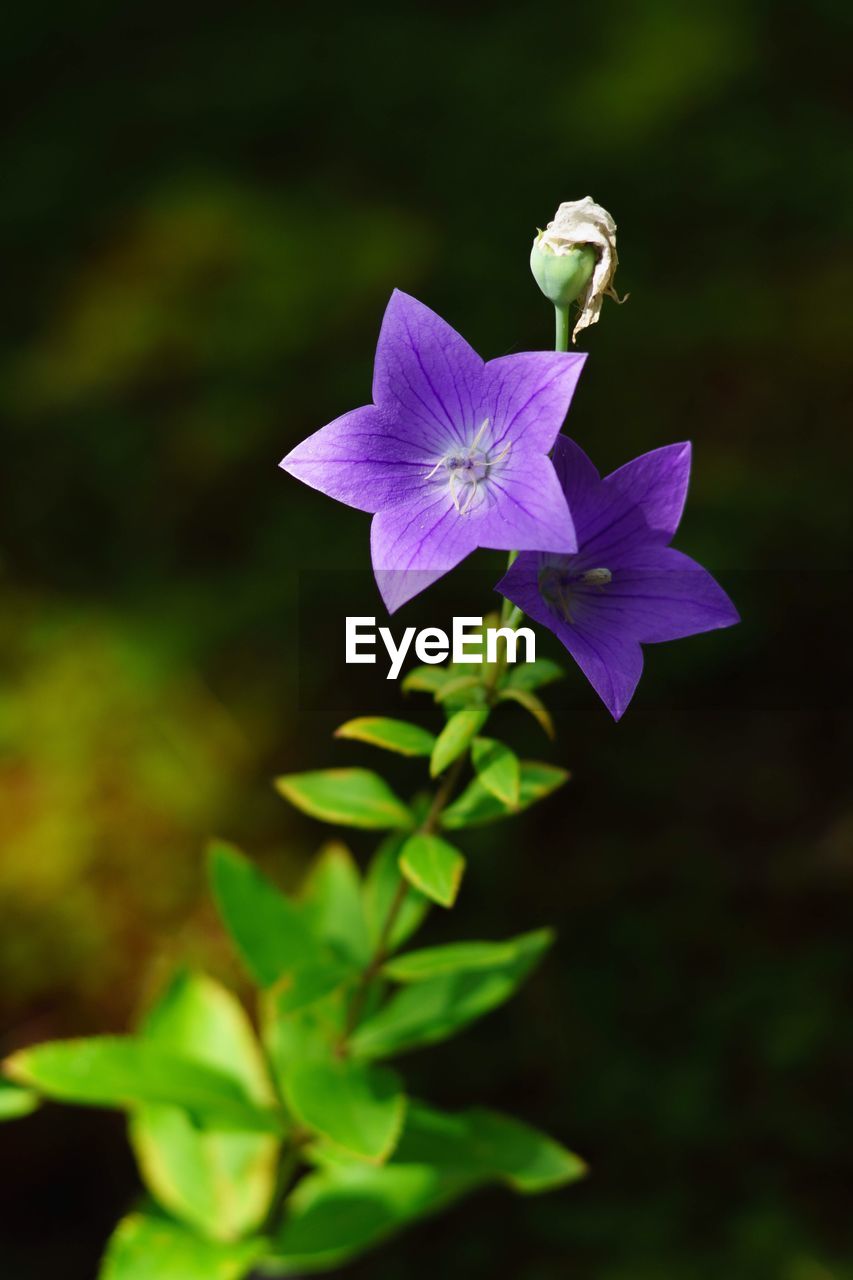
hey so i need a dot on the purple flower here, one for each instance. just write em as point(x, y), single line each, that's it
point(624, 586)
point(451, 456)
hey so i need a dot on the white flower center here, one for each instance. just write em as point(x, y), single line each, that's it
point(467, 469)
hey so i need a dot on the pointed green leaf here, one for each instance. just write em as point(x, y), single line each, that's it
point(336, 1214)
point(200, 1019)
point(219, 1182)
point(488, 1146)
point(145, 1246)
point(426, 1012)
point(476, 806)
point(354, 1106)
point(531, 704)
point(425, 679)
point(345, 1208)
point(392, 735)
point(117, 1071)
point(455, 957)
point(498, 769)
point(332, 903)
point(16, 1103)
point(534, 675)
point(456, 736)
point(268, 930)
point(434, 867)
point(271, 933)
point(466, 688)
point(380, 889)
point(350, 797)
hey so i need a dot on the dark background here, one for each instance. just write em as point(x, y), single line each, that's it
point(204, 211)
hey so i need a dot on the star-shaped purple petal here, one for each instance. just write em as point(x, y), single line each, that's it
point(451, 456)
point(624, 586)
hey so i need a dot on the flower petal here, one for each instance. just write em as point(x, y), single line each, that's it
point(412, 545)
point(527, 396)
point(362, 458)
point(520, 585)
point(579, 480)
point(426, 376)
point(659, 593)
point(528, 510)
point(611, 663)
point(610, 518)
point(656, 482)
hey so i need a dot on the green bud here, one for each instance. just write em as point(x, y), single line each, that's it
point(574, 260)
point(562, 277)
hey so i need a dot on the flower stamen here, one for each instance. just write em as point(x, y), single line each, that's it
point(597, 577)
point(468, 469)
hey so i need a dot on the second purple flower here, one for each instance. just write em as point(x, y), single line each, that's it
point(452, 454)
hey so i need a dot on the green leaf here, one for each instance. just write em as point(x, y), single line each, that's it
point(337, 1213)
point(332, 904)
point(145, 1246)
point(498, 769)
point(219, 1182)
point(458, 686)
point(380, 889)
point(117, 1071)
point(271, 933)
point(476, 805)
point(311, 1034)
point(392, 735)
point(455, 737)
point(15, 1102)
point(433, 866)
point(426, 1012)
point(200, 1019)
point(487, 1146)
point(350, 797)
point(425, 679)
point(455, 957)
point(534, 675)
point(345, 1208)
point(531, 704)
point(477, 642)
point(356, 1107)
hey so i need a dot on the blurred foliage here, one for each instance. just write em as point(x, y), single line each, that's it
point(206, 209)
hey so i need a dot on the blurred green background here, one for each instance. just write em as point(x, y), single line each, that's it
point(204, 211)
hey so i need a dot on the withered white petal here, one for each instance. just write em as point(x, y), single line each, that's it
point(579, 222)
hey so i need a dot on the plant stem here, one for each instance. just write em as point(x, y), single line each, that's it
point(288, 1164)
point(427, 827)
point(507, 604)
point(563, 328)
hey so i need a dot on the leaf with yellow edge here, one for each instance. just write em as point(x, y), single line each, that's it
point(535, 706)
point(498, 769)
point(433, 866)
point(351, 797)
point(391, 735)
point(456, 737)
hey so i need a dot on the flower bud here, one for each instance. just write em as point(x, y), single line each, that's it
point(575, 259)
point(562, 277)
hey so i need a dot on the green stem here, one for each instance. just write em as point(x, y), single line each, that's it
point(507, 606)
point(563, 329)
point(427, 827)
point(289, 1162)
